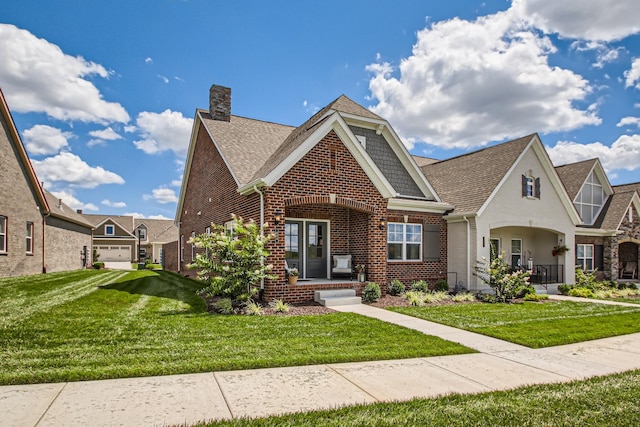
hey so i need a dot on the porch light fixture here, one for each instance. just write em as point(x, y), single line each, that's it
point(277, 217)
point(383, 223)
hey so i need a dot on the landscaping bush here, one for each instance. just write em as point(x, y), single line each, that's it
point(506, 285)
point(224, 306)
point(441, 286)
point(564, 289)
point(279, 306)
point(535, 297)
point(371, 292)
point(98, 265)
point(415, 298)
point(252, 308)
point(463, 296)
point(420, 286)
point(581, 292)
point(396, 287)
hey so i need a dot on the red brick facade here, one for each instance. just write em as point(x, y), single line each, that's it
point(326, 184)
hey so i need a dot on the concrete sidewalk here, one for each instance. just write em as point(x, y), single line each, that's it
point(190, 398)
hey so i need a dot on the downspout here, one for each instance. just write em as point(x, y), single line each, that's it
point(179, 254)
point(255, 188)
point(468, 253)
point(44, 265)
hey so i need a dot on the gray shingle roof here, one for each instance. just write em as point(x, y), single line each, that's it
point(59, 209)
point(159, 230)
point(574, 175)
point(467, 181)
point(613, 211)
point(623, 188)
point(424, 161)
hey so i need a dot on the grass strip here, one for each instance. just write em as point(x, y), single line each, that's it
point(533, 324)
point(601, 401)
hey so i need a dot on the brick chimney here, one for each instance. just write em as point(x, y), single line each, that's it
point(79, 211)
point(220, 103)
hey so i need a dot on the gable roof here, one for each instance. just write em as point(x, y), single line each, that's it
point(124, 222)
point(614, 210)
point(468, 180)
point(23, 158)
point(623, 188)
point(159, 230)
point(59, 209)
point(573, 175)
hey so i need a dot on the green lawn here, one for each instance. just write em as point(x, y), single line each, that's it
point(533, 324)
point(96, 324)
point(604, 401)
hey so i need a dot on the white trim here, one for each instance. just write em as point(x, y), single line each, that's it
point(113, 230)
point(404, 242)
point(418, 205)
point(116, 223)
point(594, 232)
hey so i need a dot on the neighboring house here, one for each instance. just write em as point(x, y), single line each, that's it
point(608, 239)
point(342, 183)
point(508, 198)
point(124, 238)
point(37, 233)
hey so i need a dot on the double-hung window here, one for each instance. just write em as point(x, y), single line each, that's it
point(584, 257)
point(3, 234)
point(29, 240)
point(404, 242)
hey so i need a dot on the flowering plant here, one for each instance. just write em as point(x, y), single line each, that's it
point(293, 272)
point(559, 250)
point(360, 268)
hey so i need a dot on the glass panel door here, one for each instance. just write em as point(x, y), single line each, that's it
point(316, 265)
point(293, 244)
point(516, 253)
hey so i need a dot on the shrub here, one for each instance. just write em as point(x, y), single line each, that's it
point(526, 290)
point(463, 296)
point(581, 292)
point(496, 274)
point(224, 306)
point(604, 293)
point(564, 289)
point(441, 286)
point(536, 297)
point(415, 298)
point(231, 264)
point(489, 298)
point(420, 286)
point(98, 265)
point(586, 279)
point(396, 287)
point(371, 292)
point(252, 308)
point(431, 297)
point(279, 306)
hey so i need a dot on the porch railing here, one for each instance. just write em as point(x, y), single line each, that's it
point(544, 274)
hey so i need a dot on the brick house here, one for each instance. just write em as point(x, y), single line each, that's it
point(608, 238)
point(38, 233)
point(342, 183)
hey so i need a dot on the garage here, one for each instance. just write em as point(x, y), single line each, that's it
point(113, 253)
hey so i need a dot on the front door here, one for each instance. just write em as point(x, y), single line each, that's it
point(316, 240)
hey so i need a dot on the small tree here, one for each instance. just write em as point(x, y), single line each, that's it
point(496, 274)
point(232, 263)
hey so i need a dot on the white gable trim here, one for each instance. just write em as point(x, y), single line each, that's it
point(336, 123)
point(415, 205)
point(116, 223)
point(551, 173)
point(635, 201)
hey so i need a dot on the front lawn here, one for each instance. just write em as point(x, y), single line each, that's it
point(96, 324)
point(535, 324)
point(603, 401)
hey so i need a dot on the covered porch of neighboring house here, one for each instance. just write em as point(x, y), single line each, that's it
point(316, 239)
point(628, 260)
point(542, 252)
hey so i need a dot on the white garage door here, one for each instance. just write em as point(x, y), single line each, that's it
point(114, 253)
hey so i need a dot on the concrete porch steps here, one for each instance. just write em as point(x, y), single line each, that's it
point(333, 297)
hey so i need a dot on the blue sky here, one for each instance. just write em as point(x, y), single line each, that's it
point(104, 93)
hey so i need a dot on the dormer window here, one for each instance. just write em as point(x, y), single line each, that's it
point(590, 199)
point(530, 187)
point(142, 233)
point(109, 230)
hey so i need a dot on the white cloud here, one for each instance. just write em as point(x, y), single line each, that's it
point(148, 60)
point(37, 76)
point(168, 130)
point(604, 53)
point(629, 120)
point(163, 78)
point(162, 195)
point(467, 83)
point(108, 134)
point(71, 169)
point(632, 76)
point(604, 20)
point(143, 216)
point(176, 183)
point(135, 214)
point(43, 139)
point(69, 199)
point(158, 217)
point(624, 153)
point(109, 203)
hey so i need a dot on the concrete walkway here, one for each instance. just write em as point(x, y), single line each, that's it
point(190, 398)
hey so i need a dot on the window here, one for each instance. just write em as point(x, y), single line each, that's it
point(404, 242)
point(630, 214)
point(590, 199)
point(3, 234)
point(109, 230)
point(207, 231)
point(143, 252)
point(231, 226)
point(516, 252)
point(29, 237)
point(142, 233)
point(530, 187)
point(584, 257)
point(495, 248)
point(362, 140)
point(291, 241)
point(182, 247)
